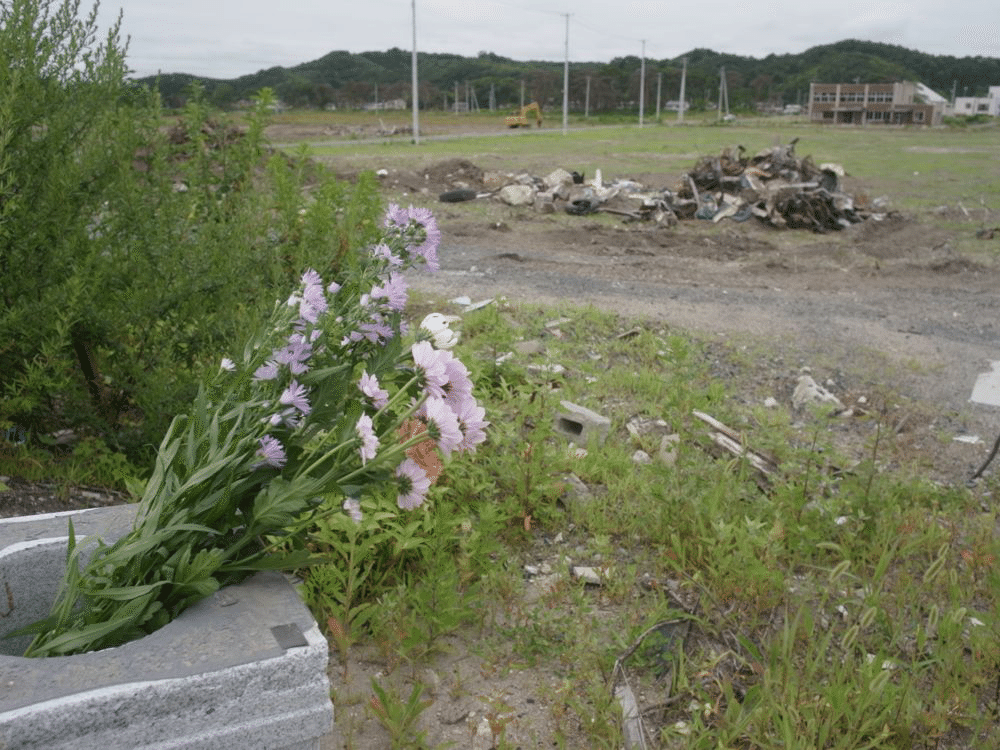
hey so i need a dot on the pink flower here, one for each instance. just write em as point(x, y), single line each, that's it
point(267, 371)
point(413, 483)
point(369, 440)
point(370, 387)
point(353, 507)
point(430, 363)
point(442, 424)
point(295, 395)
point(272, 452)
point(459, 386)
point(470, 419)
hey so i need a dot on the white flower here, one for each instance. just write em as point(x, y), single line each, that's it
point(437, 325)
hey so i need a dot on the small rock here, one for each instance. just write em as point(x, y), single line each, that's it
point(517, 195)
point(808, 391)
point(589, 575)
point(771, 402)
point(641, 457)
point(532, 346)
point(668, 449)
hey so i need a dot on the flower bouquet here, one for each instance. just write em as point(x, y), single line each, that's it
point(331, 401)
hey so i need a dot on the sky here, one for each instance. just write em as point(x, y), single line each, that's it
point(227, 39)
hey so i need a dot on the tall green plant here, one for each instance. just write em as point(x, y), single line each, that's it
point(132, 252)
point(60, 99)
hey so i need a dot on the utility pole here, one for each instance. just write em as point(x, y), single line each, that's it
point(586, 101)
point(456, 97)
point(680, 108)
point(566, 81)
point(522, 93)
point(659, 87)
point(413, 65)
point(493, 98)
point(642, 83)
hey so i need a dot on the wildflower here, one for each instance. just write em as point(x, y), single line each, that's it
point(286, 417)
point(313, 302)
point(369, 441)
point(430, 363)
point(272, 453)
point(442, 424)
point(332, 288)
point(470, 420)
point(459, 386)
point(295, 395)
point(432, 236)
point(423, 453)
point(370, 387)
point(395, 216)
point(353, 507)
point(227, 364)
point(413, 484)
point(311, 278)
point(437, 325)
point(267, 371)
point(295, 354)
point(384, 252)
point(394, 290)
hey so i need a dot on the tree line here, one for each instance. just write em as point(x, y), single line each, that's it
point(347, 80)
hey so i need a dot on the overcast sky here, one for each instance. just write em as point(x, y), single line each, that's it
point(226, 38)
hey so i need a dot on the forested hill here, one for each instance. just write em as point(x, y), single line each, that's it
point(345, 79)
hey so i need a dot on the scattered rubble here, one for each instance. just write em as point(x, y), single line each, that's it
point(774, 186)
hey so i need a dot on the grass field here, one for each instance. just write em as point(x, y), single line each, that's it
point(919, 168)
point(839, 604)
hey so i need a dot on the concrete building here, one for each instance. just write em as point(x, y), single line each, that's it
point(979, 105)
point(902, 103)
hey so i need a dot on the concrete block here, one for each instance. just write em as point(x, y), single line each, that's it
point(580, 424)
point(245, 668)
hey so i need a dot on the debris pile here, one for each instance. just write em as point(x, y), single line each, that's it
point(774, 186)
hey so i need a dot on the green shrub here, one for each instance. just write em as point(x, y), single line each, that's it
point(133, 253)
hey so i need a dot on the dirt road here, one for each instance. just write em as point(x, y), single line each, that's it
point(883, 306)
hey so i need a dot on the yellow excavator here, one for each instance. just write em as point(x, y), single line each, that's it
point(520, 119)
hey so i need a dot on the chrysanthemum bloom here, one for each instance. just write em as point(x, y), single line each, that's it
point(413, 484)
point(432, 236)
point(470, 420)
point(423, 453)
point(295, 354)
point(393, 290)
point(384, 252)
point(268, 371)
point(370, 387)
point(295, 395)
point(459, 386)
point(272, 453)
point(442, 424)
point(430, 363)
point(369, 440)
point(353, 507)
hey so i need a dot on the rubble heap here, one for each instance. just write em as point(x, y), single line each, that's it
point(775, 186)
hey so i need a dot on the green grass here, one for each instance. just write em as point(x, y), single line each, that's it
point(831, 607)
point(917, 169)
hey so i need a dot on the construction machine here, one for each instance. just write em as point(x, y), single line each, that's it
point(520, 119)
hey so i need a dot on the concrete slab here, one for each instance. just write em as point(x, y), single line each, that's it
point(245, 668)
point(987, 387)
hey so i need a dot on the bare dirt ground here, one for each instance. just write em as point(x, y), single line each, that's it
point(887, 310)
point(882, 307)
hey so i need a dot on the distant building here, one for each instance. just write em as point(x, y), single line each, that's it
point(387, 104)
point(979, 105)
point(903, 103)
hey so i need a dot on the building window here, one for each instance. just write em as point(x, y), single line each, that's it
point(983, 108)
point(918, 116)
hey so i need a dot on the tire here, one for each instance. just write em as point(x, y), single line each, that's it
point(457, 196)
